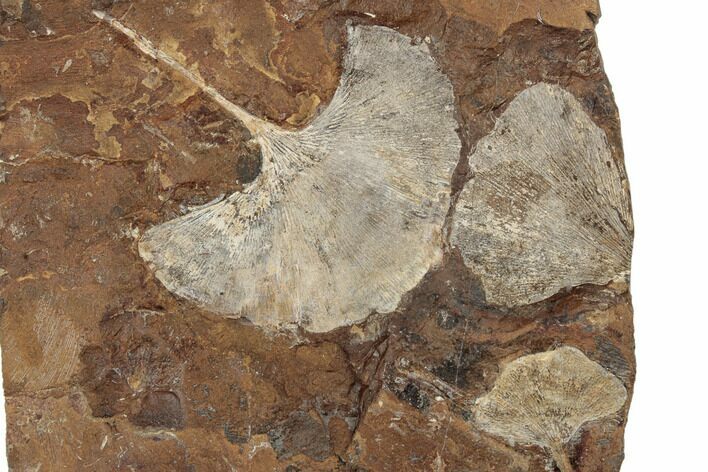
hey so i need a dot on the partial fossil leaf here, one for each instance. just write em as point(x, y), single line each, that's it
point(544, 399)
point(547, 207)
point(46, 356)
point(346, 214)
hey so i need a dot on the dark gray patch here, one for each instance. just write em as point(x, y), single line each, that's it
point(611, 358)
point(300, 433)
point(32, 20)
point(455, 369)
point(103, 4)
point(207, 412)
point(3, 108)
point(160, 409)
point(10, 11)
point(248, 165)
point(233, 437)
point(414, 397)
point(447, 320)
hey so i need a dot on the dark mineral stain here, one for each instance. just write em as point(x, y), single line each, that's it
point(105, 4)
point(454, 370)
point(414, 397)
point(248, 165)
point(161, 409)
point(300, 434)
point(611, 357)
point(447, 320)
point(3, 109)
point(233, 437)
point(32, 19)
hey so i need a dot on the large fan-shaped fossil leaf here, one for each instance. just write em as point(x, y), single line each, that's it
point(346, 214)
point(544, 399)
point(547, 207)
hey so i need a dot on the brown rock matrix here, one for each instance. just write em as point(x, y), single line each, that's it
point(311, 235)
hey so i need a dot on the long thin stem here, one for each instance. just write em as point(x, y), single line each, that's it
point(145, 45)
point(561, 458)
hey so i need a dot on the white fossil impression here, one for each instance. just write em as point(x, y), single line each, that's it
point(544, 399)
point(547, 207)
point(346, 215)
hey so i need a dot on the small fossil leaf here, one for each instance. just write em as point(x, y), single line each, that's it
point(544, 399)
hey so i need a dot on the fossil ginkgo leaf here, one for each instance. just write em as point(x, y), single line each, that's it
point(346, 215)
point(547, 206)
point(544, 399)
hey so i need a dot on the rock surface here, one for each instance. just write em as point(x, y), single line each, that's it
point(106, 369)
